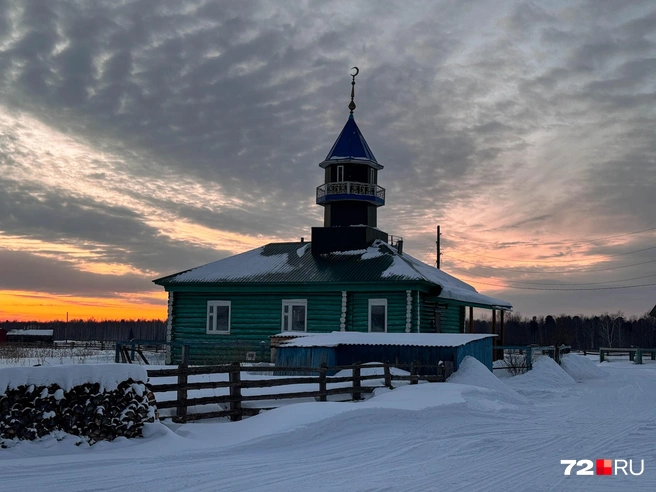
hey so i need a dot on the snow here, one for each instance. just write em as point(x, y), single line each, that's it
point(254, 263)
point(248, 264)
point(42, 333)
point(466, 434)
point(409, 339)
point(68, 376)
point(472, 372)
point(301, 251)
point(372, 252)
point(453, 288)
point(580, 367)
point(373, 371)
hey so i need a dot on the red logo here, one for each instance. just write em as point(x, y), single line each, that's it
point(604, 467)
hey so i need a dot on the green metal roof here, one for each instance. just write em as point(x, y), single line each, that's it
point(294, 263)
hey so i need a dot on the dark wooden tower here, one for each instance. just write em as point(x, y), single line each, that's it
point(350, 194)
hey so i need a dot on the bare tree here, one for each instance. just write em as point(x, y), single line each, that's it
point(608, 326)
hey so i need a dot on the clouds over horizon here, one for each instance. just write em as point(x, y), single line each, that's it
point(151, 137)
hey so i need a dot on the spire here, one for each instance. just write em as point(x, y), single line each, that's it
point(351, 105)
point(351, 146)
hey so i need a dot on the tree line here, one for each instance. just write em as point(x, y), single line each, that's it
point(581, 332)
point(93, 330)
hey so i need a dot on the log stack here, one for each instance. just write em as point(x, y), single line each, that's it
point(30, 412)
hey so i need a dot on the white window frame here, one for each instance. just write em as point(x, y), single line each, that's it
point(376, 302)
point(211, 330)
point(291, 303)
point(340, 168)
point(372, 175)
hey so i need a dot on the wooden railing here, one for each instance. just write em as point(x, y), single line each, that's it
point(635, 353)
point(236, 383)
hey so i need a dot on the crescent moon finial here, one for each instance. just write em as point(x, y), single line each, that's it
point(351, 105)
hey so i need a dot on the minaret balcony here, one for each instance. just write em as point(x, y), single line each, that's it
point(350, 190)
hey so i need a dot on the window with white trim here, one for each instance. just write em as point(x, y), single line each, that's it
point(218, 317)
point(340, 173)
point(294, 315)
point(378, 315)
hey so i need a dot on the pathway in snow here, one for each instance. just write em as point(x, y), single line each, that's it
point(492, 441)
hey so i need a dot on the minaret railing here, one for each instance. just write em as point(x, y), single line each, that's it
point(350, 188)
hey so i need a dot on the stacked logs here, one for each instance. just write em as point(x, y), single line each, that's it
point(30, 412)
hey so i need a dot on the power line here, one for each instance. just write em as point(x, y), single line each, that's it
point(565, 240)
point(557, 271)
point(556, 259)
point(547, 283)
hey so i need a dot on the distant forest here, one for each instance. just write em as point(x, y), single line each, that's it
point(92, 330)
point(581, 332)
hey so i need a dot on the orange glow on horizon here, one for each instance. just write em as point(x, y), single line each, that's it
point(37, 306)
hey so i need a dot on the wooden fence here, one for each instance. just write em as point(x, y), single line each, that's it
point(303, 375)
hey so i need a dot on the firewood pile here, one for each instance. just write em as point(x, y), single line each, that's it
point(30, 412)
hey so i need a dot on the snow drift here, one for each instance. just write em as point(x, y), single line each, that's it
point(471, 372)
point(580, 367)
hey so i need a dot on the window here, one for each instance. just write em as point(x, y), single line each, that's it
point(378, 315)
point(372, 175)
point(340, 173)
point(294, 315)
point(218, 317)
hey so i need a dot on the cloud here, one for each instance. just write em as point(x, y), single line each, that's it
point(162, 135)
point(25, 271)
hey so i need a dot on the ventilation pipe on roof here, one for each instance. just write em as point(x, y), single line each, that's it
point(302, 239)
point(399, 247)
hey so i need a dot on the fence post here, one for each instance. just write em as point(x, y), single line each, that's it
point(388, 375)
point(322, 381)
point(447, 370)
point(357, 382)
point(235, 391)
point(529, 358)
point(117, 354)
point(181, 411)
point(413, 372)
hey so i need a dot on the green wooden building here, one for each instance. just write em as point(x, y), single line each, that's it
point(348, 278)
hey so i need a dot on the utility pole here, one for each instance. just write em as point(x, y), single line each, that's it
point(439, 254)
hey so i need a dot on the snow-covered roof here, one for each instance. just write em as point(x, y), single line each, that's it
point(31, 333)
point(295, 263)
point(408, 339)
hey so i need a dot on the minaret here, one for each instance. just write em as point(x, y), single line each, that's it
point(350, 194)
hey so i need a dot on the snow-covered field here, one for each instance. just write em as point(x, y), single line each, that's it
point(475, 433)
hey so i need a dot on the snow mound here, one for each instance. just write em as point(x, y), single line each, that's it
point(580, 367)
point(546, 374)
point(473, 373)
point(69, 376)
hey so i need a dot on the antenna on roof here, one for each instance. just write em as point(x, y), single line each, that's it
point(351, 105)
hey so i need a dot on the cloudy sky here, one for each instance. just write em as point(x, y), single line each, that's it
point(142, 137)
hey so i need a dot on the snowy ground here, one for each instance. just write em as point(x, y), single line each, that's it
point(474, 433)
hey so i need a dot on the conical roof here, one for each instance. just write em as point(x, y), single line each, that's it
point(351, 146)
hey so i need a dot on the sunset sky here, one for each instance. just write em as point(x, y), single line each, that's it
point(140, 138)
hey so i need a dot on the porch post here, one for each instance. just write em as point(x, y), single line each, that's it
point(503, 333)
point(471, 319)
